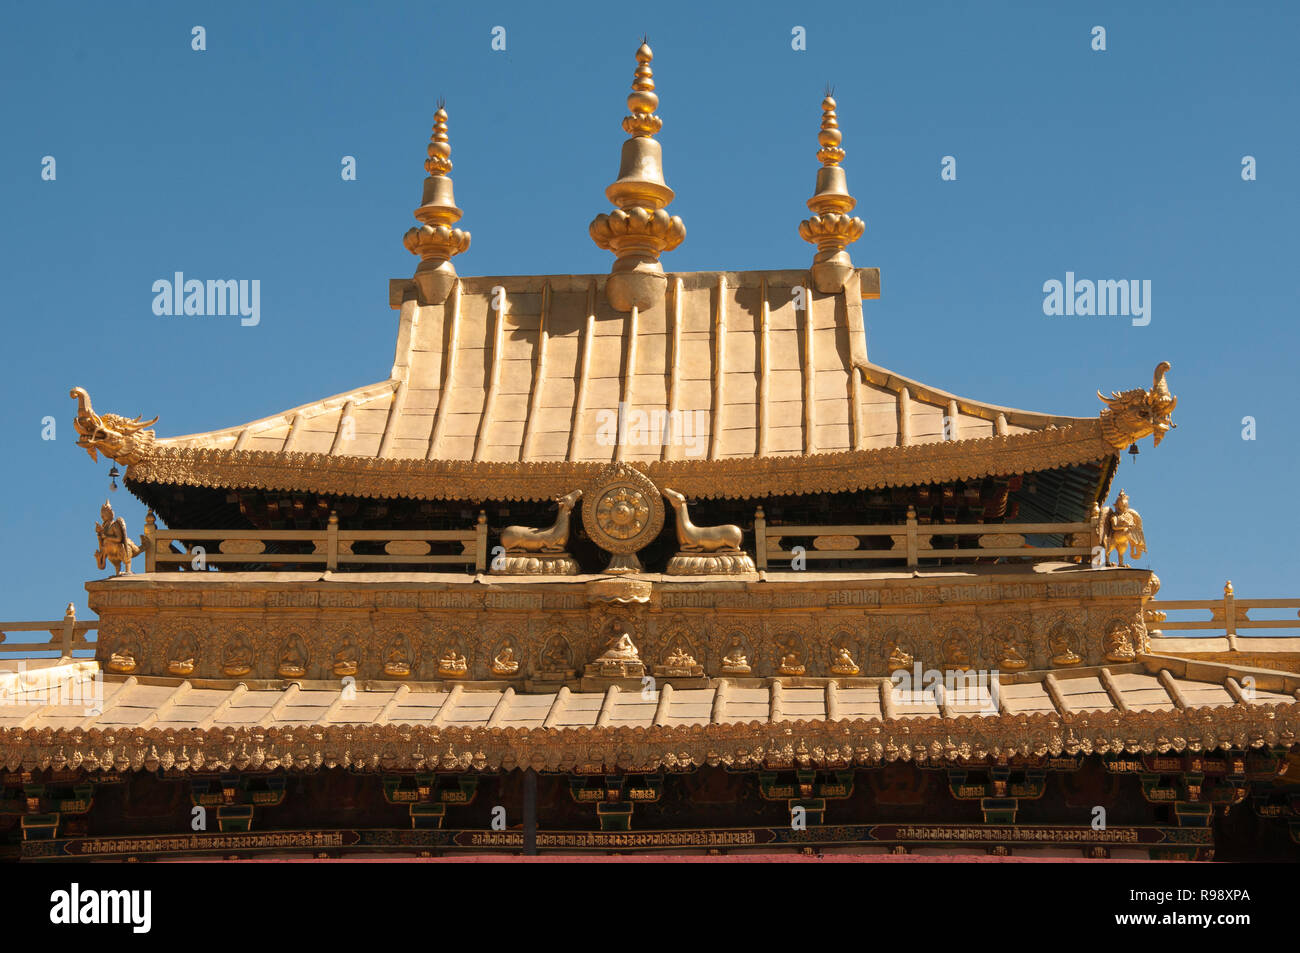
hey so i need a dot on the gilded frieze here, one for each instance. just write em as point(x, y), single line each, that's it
point(804, 626)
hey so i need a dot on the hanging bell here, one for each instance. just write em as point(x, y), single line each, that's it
point(1132, 449)
point(113, 474)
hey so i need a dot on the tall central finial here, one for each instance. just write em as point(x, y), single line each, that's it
point(439, 161)
point(830, 137)
point(436, 240)
point(642, 101)
point(831, 227)
point(639, 230)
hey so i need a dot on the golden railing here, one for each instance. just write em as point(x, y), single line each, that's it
point(66, 636)
point(331, 547)
point(1228, 615)
point(914, 541)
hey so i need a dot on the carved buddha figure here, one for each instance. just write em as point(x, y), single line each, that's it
point(620, 657)
point(735, 661)
point(842, 663)
point(791, 660)
point(397, 662)
point(899, 658)
point(1011, 659)
point(955, 656)
point(123, 659)
point(679, 658)
point(505, 664)
point(293, 660)
point(1119, 644)
point(453, 665)
point(181, 656)
point(620, 647)
point(237, 658)
point(556, 656)
point(345, 659)
point(1062, 653)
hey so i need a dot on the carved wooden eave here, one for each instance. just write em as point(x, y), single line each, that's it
point(858, 742)
point(1158, 704)
point(706, 479)
point(508, 403)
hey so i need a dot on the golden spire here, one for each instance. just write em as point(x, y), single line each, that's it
point(642, 101)
point(435, 240)
point(831, 227)
point(639, 229)
point(439, 161)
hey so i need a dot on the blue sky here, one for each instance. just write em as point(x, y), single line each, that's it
point(225, 163)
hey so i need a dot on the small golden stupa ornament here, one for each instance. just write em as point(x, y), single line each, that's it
point(831, 227)
point(436, 240)
point(639, 230)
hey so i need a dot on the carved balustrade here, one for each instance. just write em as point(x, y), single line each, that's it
point(66, 636)
point(914, 541)
point(330, 548)
point(1228, 616)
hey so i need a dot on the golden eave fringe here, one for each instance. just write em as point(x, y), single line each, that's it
point(733, 478)
point(823, 744)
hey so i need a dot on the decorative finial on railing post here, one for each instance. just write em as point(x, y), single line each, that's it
point(148, 539)
point(639, 230)
point(480, 542)
point(831, 228)
point(69, 631)
point(1230, 615)
point(435, 240)
point(760, 538)
point(912, 538)
point(332, 541)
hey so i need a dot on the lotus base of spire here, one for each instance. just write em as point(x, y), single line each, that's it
point(637, 235)
point(435, 244)
point(831, 232)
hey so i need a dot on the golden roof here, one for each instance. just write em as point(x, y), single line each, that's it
point(745, 376)
point(751, 383)
point(1157, 704)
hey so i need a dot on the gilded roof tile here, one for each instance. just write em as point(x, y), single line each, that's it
point(729, 377)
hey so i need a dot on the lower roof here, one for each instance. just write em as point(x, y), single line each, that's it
point(1157, 704)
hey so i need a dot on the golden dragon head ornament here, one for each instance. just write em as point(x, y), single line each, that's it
point(119, 438)
point(1136, 413)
